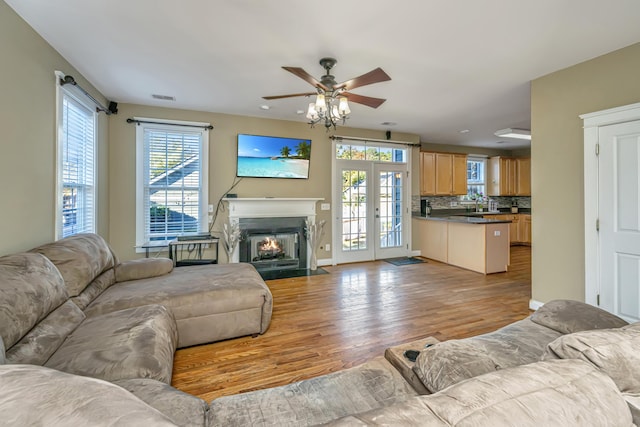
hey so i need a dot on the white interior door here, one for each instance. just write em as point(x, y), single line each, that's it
point(391, 211)
point(619, 219)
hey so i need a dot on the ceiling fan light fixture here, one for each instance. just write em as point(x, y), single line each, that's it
point(312, 114)
point(321, 103)
point(514, 133)
point(343, 106)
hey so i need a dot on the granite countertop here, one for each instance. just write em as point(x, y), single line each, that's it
point(462, 219)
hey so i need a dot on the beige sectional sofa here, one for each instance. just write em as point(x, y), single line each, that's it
point(82, 345)
point(73, 307)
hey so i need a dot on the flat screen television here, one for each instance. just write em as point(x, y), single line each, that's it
point(273, 157)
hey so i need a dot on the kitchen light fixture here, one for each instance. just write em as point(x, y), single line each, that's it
point(514, 133)
point(328, 108)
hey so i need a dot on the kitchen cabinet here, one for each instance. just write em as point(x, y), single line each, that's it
point(509, 176)
point(443, 174)
point(524, 229)
point(427, 173)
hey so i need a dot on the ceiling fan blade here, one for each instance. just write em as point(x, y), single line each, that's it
point(364, 100)
point(306, 77)
point(373, 76)
point(291, 95)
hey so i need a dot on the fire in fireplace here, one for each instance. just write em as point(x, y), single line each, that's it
point(269, 248)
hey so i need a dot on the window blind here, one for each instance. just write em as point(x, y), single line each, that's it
point(172, 191)
point(78, 168)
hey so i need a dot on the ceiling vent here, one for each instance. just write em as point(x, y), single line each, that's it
point(164, 97)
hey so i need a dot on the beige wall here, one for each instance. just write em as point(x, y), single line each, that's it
point(557, 163)
point(222, 165)
point(445, 148)
point(27, 147)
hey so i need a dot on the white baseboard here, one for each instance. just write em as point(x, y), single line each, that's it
point(534, 305)
point(325, 262)
point(415, 253)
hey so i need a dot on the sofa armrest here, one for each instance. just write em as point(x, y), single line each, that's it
point(567, 317)
point(143, 268)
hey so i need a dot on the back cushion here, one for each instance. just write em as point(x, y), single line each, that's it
point(30, 288)
point(568, 316)
point(80, 259)
point(613, 351)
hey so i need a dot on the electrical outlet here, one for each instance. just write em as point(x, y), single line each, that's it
point(496, 233)
point(210, 208)
point(325, 206)
point(327, 247)
point(210, 219)
point(454, 204)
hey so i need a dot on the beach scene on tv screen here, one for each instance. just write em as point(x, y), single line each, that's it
point(273, 157)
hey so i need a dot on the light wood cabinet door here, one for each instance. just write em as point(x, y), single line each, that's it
point(523, 178)
point(524, 228)
point(444, 171)
point(427, 173)
point(459, 175)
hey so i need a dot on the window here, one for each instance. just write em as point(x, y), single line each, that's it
point(76, 198)
point(171, 180)
point(376, 153)
point(476, 177)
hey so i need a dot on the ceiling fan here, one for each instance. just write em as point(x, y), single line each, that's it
point(331, 102)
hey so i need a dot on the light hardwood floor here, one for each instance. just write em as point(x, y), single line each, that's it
point(328, 322)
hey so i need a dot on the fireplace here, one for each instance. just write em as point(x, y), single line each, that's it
point(273, 243)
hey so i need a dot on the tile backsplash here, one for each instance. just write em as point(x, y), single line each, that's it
point(445, 202)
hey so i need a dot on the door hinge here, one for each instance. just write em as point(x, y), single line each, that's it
point(598, 299)
point(598, 224)
point(597, 149)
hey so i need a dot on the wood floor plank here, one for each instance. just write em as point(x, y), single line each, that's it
point(328, 322)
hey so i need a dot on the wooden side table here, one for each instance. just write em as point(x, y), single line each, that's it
point(395, 356)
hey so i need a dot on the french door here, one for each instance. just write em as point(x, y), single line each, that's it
point(371, 210)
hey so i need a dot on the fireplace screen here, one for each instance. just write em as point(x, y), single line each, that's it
point(274, 247)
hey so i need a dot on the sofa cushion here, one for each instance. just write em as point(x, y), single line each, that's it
point(567, 317)
point(616, 352)
point(633, 400)
point(194, 293)
point(30, 289)
point(554, 393)
point(143, 268)
point(3, 360)
point(80, 259)
point(182, 408)
point(450, 362)
point(95, 288)
point(314, 401)
point(133, 343)
point(36, 396)
point(45, 338)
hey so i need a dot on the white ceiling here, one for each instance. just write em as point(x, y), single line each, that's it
point(454, 64)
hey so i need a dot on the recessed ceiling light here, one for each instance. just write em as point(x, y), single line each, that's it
point(264, 107)
point(300, 112)
point(388, 123)
point(163, 97)
point(464, 131)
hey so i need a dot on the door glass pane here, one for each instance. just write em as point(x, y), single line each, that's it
point(390, 209)
point(354, 210)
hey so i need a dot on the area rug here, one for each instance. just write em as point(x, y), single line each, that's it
point(287, 274)
point(404, 260)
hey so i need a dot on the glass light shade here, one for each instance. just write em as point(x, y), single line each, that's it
point(334, 112)
point(344, 106)
point(321, 105)
point(312, 114)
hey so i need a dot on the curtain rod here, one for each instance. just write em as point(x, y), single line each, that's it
point(136, 121)
point(355, 138)
point(68, 80)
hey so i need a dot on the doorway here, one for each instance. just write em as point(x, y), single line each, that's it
point(612, 211)
point(371, 209)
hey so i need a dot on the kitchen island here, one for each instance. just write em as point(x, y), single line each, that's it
point(477, 244)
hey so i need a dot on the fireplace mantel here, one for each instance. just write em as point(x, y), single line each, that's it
point(264, 207)
point(270, 207)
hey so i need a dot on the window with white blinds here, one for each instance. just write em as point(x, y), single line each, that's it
point(76, 168)
point(172, 177)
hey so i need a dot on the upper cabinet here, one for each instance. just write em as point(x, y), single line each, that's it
point(443, 174)
point(509, 176)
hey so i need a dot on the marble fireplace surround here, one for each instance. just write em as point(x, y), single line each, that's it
point(271, 207)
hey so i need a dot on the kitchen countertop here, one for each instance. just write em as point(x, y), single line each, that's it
point(462, 219)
